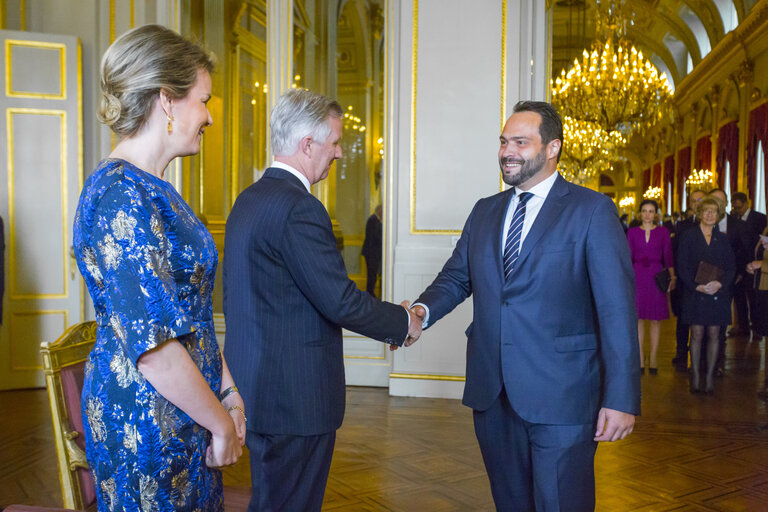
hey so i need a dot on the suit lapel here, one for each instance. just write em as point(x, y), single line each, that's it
point(551, 209)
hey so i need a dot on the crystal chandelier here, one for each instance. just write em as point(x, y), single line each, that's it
point(702, 178)
point(613, 86)
point(627, 202)
point(588, 150)
point(653, 193)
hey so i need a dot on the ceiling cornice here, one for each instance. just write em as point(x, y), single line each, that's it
point(730, 54)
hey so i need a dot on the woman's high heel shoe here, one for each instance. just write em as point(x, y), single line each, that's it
point(710, 388)
point(694, 384)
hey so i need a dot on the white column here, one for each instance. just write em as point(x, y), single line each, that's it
point(279, 50)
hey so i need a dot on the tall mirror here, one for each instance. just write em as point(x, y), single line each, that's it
point(360, 68)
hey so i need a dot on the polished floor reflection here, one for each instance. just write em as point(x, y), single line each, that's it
point(688, 452)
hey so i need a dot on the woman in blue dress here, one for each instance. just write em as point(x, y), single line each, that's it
point(162, 409)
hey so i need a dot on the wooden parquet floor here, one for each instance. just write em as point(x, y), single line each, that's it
point(688, 453)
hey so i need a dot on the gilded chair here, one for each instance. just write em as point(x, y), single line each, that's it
point(64, 366)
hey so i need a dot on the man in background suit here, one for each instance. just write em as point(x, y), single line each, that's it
point(552, 349)
point(682, 330)
point(734, 229)
point(371, 250)
point(754, 224)
point(286, 298)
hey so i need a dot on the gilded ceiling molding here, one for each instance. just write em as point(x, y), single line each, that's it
point(709, 16)
point(731, 56)
point(681, 31)
point(741, 9)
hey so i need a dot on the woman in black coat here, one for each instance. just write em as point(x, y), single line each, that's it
point(706, 305)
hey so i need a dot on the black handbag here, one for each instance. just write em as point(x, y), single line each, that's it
point(662, 280)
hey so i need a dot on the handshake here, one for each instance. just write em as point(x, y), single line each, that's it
point(417, 315)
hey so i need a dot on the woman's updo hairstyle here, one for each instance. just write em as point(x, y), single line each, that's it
point(137, 66)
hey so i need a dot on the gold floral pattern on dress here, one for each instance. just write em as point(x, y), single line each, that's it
point(158, 263)
point(166, 417)
point(181, 488)
point(159, 334)
point(117, 326)
point(124, 370)
point(95, 413)
point(89, 259)
point(109, 491)
point(123, 226)
point(147, 492)
point(118, 169)
point(112, 252)
point(159, 231)
point(132, 438)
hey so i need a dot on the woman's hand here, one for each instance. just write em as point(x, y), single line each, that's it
point(753, 266)
point(710, 288)
point(672, 284)
point(225, 447)
point(234, 404)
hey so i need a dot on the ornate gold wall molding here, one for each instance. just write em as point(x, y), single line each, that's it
point(741, 45)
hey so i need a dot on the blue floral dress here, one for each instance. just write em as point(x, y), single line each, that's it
point(149, 265)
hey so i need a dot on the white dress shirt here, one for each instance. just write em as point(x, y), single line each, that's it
point(540, 192)
point(286, 167)
point(746, 214)
point(723, 224)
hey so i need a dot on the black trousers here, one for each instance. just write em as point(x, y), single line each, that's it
point(373, 268)
point(289, 472)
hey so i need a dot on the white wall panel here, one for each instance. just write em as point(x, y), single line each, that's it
point(457, 107)
point(454, 70)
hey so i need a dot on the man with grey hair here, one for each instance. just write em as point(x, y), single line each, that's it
point(286, 298)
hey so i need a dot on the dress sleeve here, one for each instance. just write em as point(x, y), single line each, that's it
point(131, 250)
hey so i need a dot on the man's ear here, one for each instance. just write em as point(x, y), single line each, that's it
point(553, 148)
point(305, 145)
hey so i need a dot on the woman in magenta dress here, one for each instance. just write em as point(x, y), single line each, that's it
point(651, 252)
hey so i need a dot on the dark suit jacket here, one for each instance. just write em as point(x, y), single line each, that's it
point(754, 226)
point(286, 298)
point(561, 334)
point(700, 308)
point(736, 233)
point(372, 243)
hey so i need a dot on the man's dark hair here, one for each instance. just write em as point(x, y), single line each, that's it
point(740, 197)
point(551, 126)
point(719, 190)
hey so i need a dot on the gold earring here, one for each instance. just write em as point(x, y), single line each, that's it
point(170, 125)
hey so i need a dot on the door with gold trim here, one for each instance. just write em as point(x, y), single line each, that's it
point(40, 180)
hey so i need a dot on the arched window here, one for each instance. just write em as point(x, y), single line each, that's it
point(728, 14)
point(759, 203)
point(697, 27)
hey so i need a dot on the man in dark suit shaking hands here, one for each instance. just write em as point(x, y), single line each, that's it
point(286, 298)
point(552, 349)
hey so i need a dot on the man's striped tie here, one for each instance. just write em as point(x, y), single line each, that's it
point(512, 245)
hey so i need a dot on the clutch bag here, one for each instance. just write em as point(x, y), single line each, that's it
point(662, 280)
point(707, 272)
